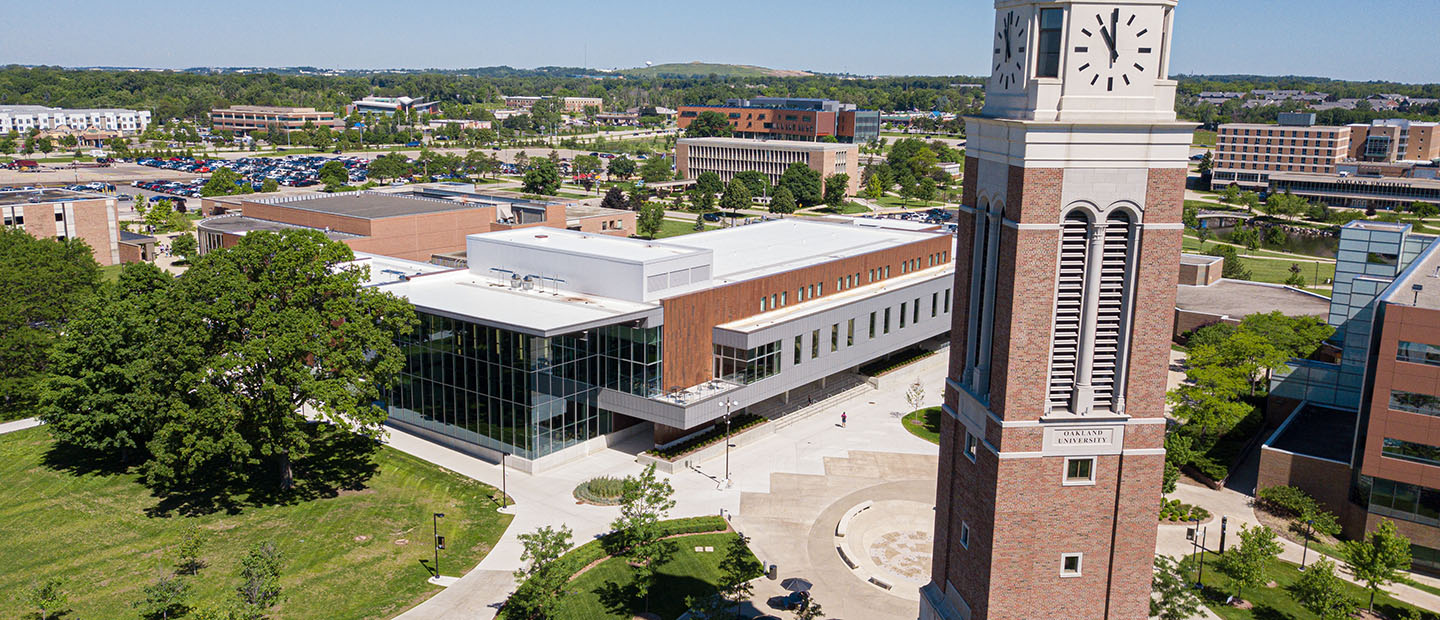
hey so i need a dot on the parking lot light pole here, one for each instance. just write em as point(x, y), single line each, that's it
point(729, 403)
point(1309, 530)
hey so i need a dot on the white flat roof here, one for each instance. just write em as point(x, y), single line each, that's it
point(538, 311)
point(588, 244)
point(388, 269)
point(758, 250)
point(774, 145)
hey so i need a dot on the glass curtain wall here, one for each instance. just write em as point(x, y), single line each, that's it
point(524, 395)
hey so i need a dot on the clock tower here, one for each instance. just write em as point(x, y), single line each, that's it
point(1051, 452)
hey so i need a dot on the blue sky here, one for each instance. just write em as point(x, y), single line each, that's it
point(1367, 40)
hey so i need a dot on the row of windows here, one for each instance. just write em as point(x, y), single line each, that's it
point(1410, 451)
point(746, 366)
point(880, 320)
point(1399, 190)
point(1283, 133)
point(1400, 500)
point(1423, 404)
point(780, 300)
point(1418, 353)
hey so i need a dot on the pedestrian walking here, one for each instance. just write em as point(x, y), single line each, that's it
point(809, 401)
point(843, 419)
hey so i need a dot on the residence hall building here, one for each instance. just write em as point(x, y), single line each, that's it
point(553, 342)
point(390, 105)
point(1052, 442)
point(1361, 428)
point(23, 118)
point(417, 223)
point(63, 214)
point(783, 118)
point(572, 105)
point(1250, 155)
point(729, 156)
point(243, 119)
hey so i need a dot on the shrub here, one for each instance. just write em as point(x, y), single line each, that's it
point(604, 491)
point(1175, 511)
point(1288, 501)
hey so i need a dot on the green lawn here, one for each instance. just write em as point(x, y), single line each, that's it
point(353, 551)
point(1204, 138)
point(895, 202)
point(1192, 244)
point(849, 208)
point(673, 228)
point(1276, 271)
point(1278, 603)
point(604, 591)
point(924, 424)
point(111, 273)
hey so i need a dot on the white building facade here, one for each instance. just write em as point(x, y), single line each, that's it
point(23, 118)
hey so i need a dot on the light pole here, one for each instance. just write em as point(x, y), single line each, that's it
point(439, 540)
point(504, 484)
point(1309, 530)
point(729, 403)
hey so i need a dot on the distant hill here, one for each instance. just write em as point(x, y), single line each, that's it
point(703, 69)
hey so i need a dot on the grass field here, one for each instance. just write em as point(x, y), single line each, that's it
point(849, 208)
point(1276, 271)
point(895, 202)
point(924, 424)
point(1278, 602)
point(111, 273)
point(1192, 244)
point(352, 553)
point(673, 228)
point(605, 590)
point(1204, 138)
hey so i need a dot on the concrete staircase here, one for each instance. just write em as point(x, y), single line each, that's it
point(838, 389)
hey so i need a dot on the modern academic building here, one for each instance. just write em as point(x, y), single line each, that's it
point(553, 343)
point(786, 118)
point(1361, 430)
point(418, 223)
point(1257, 156)
point(390, 105)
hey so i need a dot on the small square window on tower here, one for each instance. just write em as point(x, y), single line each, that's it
point(972, 445)
point(1079, 471)
point(964, 534)
point(1070, 564)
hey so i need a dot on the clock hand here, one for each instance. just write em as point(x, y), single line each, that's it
point(1007, 43)
point(1114, 35)
point(1110, 42)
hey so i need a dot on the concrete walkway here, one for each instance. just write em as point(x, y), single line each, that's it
point(802, 447)
point(19, 425)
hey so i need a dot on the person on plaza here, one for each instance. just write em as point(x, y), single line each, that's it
point(843, 419)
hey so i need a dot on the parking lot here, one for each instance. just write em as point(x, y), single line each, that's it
point(302, 171)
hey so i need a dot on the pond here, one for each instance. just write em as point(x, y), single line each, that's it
point(1312, 244)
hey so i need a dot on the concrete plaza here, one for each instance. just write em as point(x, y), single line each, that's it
point(806, 447)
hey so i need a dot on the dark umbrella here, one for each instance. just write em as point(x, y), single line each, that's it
point(796, 584)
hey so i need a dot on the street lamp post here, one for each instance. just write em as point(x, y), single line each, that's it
point(1309, 530)
point(439, 540)
point(1200, 580)
point(504, 483)
point(729, 403)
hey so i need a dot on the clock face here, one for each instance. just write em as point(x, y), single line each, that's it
point(1009, 59)
point(1115, 49)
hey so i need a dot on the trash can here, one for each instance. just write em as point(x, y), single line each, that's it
point(772, 572)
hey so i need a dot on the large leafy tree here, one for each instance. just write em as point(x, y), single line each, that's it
point(225, 182)
point(803, 183)
point(651, 217)
point(621, 167)
point(783, 202)
point(614, 199)
point(44, 282)
point(736, 197)
point(333, 174)
point(709, 183)
point(283, 332)
point(543, 178)
point(387, 167)
point(709, 124)
point(1296, 336)
point(656, 170)
point(836, 187)
point(1173, 600)
point(1252, 355)
point(1381, 558)
point(116, 367)
point(755, 181)
point(587, 165)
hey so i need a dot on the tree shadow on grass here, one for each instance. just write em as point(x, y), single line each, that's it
point(1266, 612)
point(77, 461)
point(338, 461)
point(667, 595)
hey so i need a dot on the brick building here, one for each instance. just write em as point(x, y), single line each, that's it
point(571, 105)
point(1362, 434)
point(1249, 155)
point(64, 214)
point(1051, 447)
point(617, 336)
point(782, 118)
point(23, 118)
point(415, 224)
point(243, 119)
point(729, 156)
